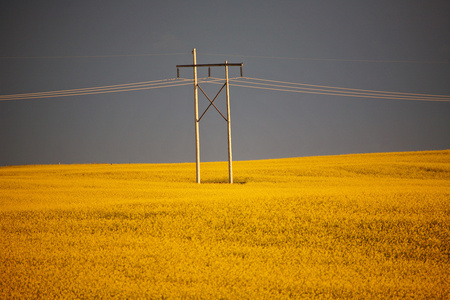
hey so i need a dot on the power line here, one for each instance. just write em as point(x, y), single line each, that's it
point(231, 55)
point(332, 91)
point(147, 85)
point(337, 94)
point(380, 95)
point(333, 59)
point(247, 82)
point(117, 86)
point(90, 56)
point(342, 88)
point(346, 91)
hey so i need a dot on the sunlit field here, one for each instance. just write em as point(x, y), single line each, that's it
point(351, 226)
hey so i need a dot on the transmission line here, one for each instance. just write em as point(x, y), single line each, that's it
point(333, 59)
point(246, 82)
point(90, 56)
point(128, 87)
point(275, 85)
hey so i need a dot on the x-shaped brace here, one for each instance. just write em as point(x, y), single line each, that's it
point(212, 102)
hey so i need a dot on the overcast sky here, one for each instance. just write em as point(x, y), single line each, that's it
point(395, 46)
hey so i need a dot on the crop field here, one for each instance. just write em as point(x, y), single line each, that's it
point(365, 226)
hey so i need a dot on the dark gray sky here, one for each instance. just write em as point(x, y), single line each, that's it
point(41, 42)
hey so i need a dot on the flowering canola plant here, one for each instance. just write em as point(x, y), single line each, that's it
point(350, 226)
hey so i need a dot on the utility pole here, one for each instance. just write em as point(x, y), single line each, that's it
point(197, 118)
point(197, 121)
point(230, 156)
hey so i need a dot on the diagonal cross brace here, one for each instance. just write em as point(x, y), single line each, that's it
point(211, 103)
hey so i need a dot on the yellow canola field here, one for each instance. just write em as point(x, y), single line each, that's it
point(367, 226)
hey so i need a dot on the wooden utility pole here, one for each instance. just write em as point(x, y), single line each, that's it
point(197, 118)
point(197, 121)
point(230, 156)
